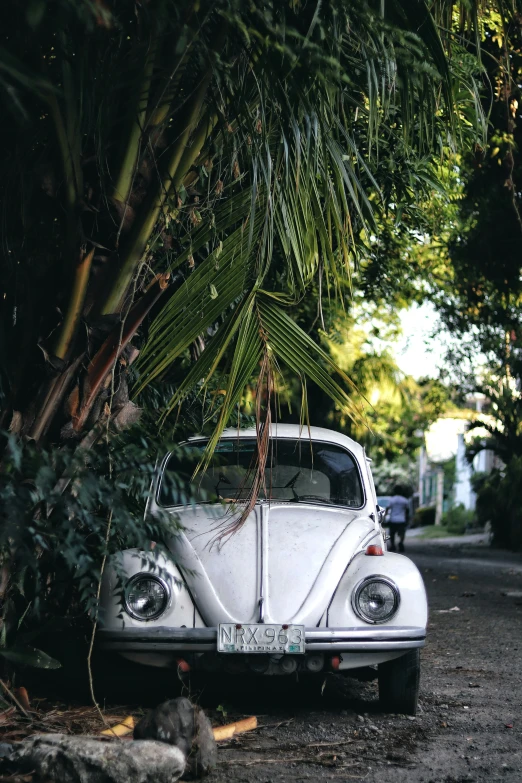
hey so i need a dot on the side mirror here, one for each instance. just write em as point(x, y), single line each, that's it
point(381, 514)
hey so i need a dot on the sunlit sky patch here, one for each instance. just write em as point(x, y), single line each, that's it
point(419, 352)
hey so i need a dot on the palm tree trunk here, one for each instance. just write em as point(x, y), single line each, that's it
point(185, 151)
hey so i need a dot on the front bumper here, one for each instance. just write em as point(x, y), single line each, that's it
point(333, 640)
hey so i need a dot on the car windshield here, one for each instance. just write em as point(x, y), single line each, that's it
point(296, 471)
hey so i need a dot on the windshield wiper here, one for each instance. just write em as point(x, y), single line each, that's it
point(312, 498)
point(291, 485)
point(221, 480)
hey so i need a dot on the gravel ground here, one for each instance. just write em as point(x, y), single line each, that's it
point(469, 726)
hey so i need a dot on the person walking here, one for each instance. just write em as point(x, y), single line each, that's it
point(398, 516)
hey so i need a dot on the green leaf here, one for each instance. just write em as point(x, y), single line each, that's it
point(35, 12)
point(30, 656)
point(302, 355)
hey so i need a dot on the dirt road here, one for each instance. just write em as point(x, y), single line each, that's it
point(469, 726)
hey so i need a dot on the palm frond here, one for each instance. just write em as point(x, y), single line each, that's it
point(250, 146)
point(199, 302)
point(302, 355)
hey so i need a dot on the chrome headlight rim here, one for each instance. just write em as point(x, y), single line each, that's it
point(152, 578)
point(362, 584)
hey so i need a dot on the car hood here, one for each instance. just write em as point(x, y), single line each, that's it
point(282, 566)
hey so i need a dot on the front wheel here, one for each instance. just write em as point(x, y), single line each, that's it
point(399, 683)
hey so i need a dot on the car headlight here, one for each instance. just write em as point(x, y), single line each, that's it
point(146, 597)
point(375, 599)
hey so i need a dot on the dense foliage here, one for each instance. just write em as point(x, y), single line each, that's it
point(465, 259)
point(458, 520)
point(242, 152)
point(498, 503)
point(62, 513)
point(480, 300)
point(178, 179)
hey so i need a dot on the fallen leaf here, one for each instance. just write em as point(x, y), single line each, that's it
point(23, 697)
point(452, 576)
point(445, 611)
point(125, 727)
point(231, 729)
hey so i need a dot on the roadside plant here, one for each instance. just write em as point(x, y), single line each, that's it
point(425, 515)
point(63, 512)
point(458, 519)
point(499, 503)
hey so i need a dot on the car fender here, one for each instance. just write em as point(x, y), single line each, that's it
point(413, 605)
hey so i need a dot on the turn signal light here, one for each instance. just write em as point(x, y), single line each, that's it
point(374, 549)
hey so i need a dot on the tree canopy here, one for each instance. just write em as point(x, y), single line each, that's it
point(198, 168)
point(197, 196)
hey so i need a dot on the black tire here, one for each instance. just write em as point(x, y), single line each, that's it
point(399, 683)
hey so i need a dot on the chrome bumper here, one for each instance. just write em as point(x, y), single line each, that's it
point(160, 639)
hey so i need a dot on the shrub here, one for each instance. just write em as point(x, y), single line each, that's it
point(62, 511)
point(499, 502)
point(425, 515)
point(458, 519)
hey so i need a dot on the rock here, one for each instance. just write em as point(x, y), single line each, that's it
point(58, 758)
point(178, 722)
point(172, 741)
point(171, 722)
point(203, 755)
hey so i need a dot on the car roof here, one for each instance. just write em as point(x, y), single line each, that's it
point(297, 432)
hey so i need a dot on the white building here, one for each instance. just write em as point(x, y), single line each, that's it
point(445, 439)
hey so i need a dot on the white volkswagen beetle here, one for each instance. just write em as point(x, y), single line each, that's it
point(304, 585)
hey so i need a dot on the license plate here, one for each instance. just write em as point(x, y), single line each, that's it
point(257, 638)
